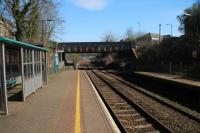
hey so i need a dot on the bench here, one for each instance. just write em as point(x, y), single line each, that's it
point(11, 83)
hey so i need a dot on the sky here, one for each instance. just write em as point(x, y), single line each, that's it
point(89, 20)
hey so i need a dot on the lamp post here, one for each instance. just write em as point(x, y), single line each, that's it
point(171, 28)
point(160, 33)
point(139, 28)
point(48, 20)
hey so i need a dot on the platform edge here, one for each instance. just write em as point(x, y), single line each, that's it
point(105, 110)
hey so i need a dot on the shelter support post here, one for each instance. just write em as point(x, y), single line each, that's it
point(33, 70)
point(22, 74)
point(4, 97)
point(41, 65)
point(46, 67)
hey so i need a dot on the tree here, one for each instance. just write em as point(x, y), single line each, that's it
point(32, 26)
point(17, 11)
point(109, 37)
point(190, 20)
point(54, 27)
point(130, 35)
point(26, 17)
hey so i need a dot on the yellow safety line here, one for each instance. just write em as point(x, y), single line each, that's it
point(78, 118)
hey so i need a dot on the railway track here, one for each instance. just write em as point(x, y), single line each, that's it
point(129, 116)
point(174, 120)
point(165, 101)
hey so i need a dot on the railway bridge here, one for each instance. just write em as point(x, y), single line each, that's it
point(90, 101)
point(96, 47)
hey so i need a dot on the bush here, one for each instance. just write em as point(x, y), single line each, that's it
point(194, 71)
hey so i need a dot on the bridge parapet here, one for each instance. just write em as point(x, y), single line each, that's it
point(96, 47)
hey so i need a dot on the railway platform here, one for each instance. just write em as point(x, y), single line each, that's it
point(68, 104)
point(191, 83)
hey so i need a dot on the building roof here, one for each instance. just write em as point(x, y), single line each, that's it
point(22, 44)
point(3, 19)
point(151, 35)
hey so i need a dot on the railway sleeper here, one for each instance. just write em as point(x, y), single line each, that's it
point(124, 111)
point(131, 123)
point(145, 128)
point(140, 119)
point(129, 115)
point(121, 108)
point(116, 102)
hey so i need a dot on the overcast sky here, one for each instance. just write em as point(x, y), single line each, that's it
point(88, 20)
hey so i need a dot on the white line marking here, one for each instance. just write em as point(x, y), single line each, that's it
point(105, 110)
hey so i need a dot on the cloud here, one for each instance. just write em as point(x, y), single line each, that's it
point(91, 4)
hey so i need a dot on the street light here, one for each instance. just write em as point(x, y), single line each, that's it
point(171, 27)
point(48, 20)
point(139, 28)
point(159, 33)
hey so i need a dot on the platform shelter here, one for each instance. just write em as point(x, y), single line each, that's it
point(23, 65)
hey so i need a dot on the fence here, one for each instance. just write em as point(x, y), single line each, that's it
point(181, 68)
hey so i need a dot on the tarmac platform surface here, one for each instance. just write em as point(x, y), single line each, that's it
point(56, 108)
point(173, 78)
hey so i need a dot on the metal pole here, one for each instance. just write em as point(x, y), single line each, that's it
point(42, 32)
point(171, 26)
point(33, 70)
point(61, 57)
point(22, 74)
point(171, 29)
point(4, 80)
point(41, 69)
point(159, 33)
point(170, 67)
point(46, 68)
point(139, 29)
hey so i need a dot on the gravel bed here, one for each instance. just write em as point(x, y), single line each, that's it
point(176, 121)
point(187, 101)
point(124, 112)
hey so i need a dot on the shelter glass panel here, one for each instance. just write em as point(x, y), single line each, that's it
point(12, 57)
point(28, 67)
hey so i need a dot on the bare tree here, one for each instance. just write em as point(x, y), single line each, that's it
point(129, 35)
point(53, 27)
point(109, 37)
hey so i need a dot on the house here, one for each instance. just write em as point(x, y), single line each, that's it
point(5, 28)
point(149, 38)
